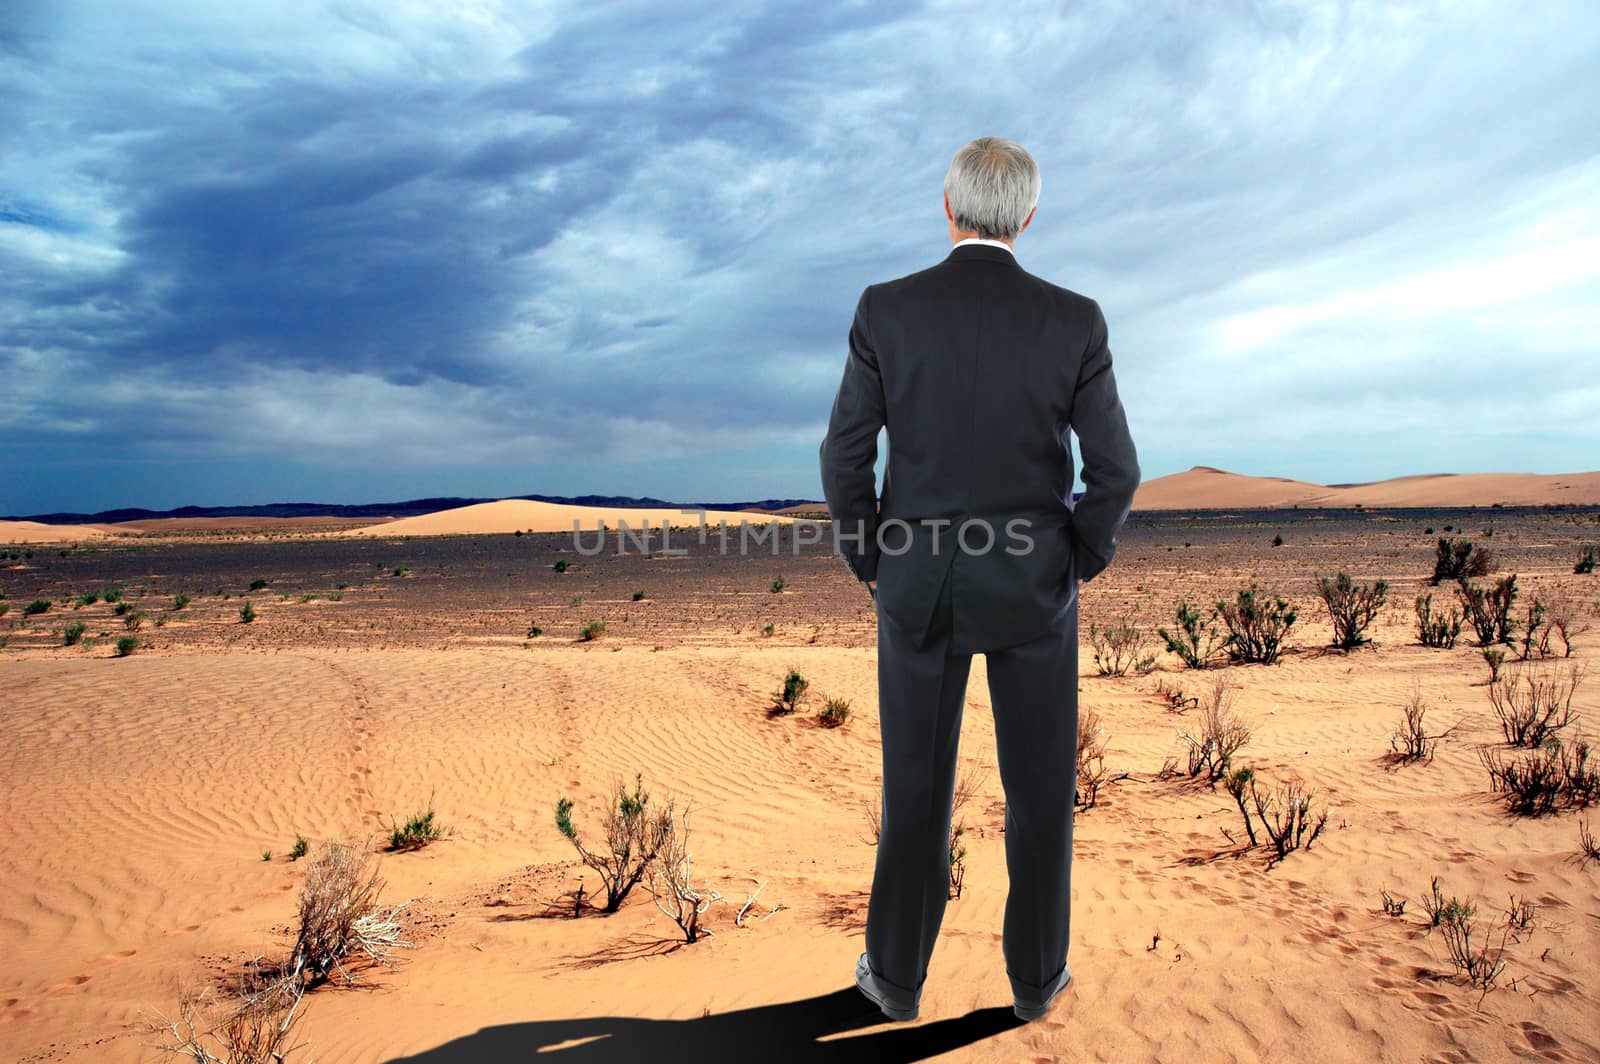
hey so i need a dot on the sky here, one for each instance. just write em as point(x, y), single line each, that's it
point(362, 252)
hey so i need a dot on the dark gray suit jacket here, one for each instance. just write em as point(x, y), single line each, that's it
point(979, 370)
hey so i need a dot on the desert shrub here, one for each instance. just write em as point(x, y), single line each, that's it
point(1197, 639)
point(1091, 758)
point(1536, 630)
point(1538, 783)
point(534, 631)
point(112, 594)
point(835, 712)
point(247, 612)
point(638, 596)
point(634, 836)
point(1457, 559)
point(1256, 626)
point(1221, 734)
point(299, 849)
point(966, 786)
point(1588, 846)
point(35, 607)
point(670, 883)
point(779, 584)
point(1489, 608)
point(1586, 561)
point(560, 565)
point(788, 698)
point(1436, 629)
point(123, 608)
point(72, 634)
point(593, 630)
point(179, 601)
point(1283, 812)
point(1494, 657)
point(258, 584)
point(767, 629)
point(5, 608)
point(127, 645)
point(88, 598)
point(1351, 608)
point(255, 1027)
point(133, 620)
point(1117, 648)
point(1565, 621)
point(1534, 702)
point(1411, 741)
point(419, 829)
point(340, 919)
point(1472, 956)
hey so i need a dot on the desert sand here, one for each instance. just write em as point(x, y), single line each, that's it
point(1207, 487)
point(37, 532)
point(140, 794)
point(529, 515)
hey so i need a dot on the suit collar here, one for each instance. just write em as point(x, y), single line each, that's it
point(969, 252)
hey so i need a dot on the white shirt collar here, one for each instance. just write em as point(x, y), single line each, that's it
point(981, 240)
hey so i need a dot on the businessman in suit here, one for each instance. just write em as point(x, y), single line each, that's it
point(979, 370)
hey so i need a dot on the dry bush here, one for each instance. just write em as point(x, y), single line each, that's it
point(1565, 621)
point(966, 787)
point(1471, 952)
point(1539, 783)
point(1533, 702)
point(634, 836)
point(1411, 741)
point(670, 882)
point(874, 812)
point(1489, 608)
point(257, 1028)
point(1174, 697)
point(340, 919)
point(1118, 647)
point(1284, 812)
point(1257, 625)
point(1091, 757)
point(1221, 734)
point(1351, 608)
point(1588, 846)
point(1436, 629)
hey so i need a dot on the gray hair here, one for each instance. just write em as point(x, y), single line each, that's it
point(992, 184)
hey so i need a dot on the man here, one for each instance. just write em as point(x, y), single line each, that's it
point(979, 370)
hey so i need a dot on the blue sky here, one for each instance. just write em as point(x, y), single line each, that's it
point(366, 251)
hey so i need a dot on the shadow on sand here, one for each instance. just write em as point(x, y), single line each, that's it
point(813, 1029)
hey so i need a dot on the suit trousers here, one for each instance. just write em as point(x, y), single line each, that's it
point(1034, 690)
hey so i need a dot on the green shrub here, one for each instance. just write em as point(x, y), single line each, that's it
point(793, 692)
point(111, 594)
point(257, 584)
point(1197, 639)
point(180, 601)
point(1256, 624)
point(834, 713)
point(1436, 630)
point(126, 645)
point(1489, 608)
point(88, 598)
point(300, 847)
point(122, 608)
point(1352, 608)
point(72, 634)
point(418, 830)
point(247, 612)
point(779, 584)
point(634, 837)
point(133, 621)
point(1456, 559)
point(1586, 563)
point(560, 565)
point(534, 631)
point(637, 595)
point(35, 607)
point(594, 630)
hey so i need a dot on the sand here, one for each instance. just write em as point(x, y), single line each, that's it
point(527, 515)
point(140, 793)
point(1206, 487)
point(36, 532)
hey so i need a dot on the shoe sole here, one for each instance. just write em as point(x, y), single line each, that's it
point(1033, 1012)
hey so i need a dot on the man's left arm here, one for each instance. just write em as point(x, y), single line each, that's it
point(850, 451)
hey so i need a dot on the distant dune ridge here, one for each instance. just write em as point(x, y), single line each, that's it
point(512, 515)
point(1199, 488)
point(1209, 488)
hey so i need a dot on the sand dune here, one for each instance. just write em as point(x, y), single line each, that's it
point(1209, 488)
point(527, 515)
point(34, 532)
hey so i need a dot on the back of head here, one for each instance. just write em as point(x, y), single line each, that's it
point(992, 185)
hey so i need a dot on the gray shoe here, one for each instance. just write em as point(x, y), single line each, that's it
point(1033, 1012)
point(867, 982)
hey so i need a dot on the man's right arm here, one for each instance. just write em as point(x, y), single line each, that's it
point(1110, 462)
